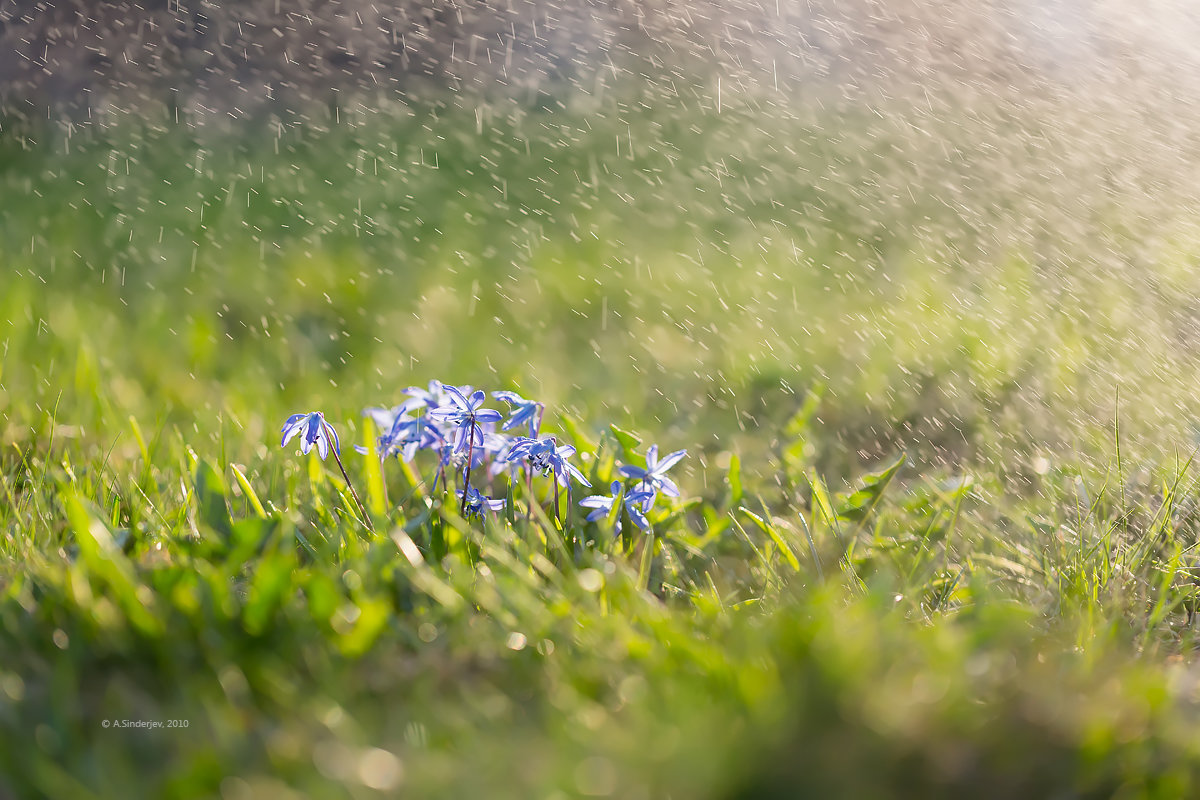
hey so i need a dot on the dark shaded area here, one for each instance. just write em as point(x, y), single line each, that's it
point(201, 56)
point(200, 59)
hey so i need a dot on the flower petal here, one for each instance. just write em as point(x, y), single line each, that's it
point(457, 397)
point(332, 434)
point(292, 420)
point(576, 474)
point(596, 501)
point(289, 433)
point(384, 418)
point(667, 486)
point(669, 461)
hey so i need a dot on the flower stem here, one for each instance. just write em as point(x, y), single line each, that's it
point(467, 469)
point(383, 480)
point(534, 431)
point(366, 517)
point(529, 491)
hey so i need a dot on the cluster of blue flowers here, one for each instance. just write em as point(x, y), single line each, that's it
point(452, 422)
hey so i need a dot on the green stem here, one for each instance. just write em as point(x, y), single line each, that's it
point(363, 509)
point(467, 473)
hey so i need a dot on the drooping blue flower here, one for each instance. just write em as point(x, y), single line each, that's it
point(476, 502)
point(653, 478)
point(314, 430)
point(546, 456)
point(523, 411)
point(464, 414)
point(633, 501)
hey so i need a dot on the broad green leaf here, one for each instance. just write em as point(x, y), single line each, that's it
point(249, 536)
point(579, 437)
point(248, 490)
point(372, 619)
point(800, 422)
point(212, 511)
point(734, 477)
point(141, 440)
point(628, 443)
point(323, 595)
point(860, 503)
point(102, 557)
point(271, 585)
point(376, 501)
point(821, 502)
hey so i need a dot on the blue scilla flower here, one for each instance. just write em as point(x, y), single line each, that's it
point(315, 431)
point(433, 396)
point(464, 414)
point(385, 420)
point(494, 444)
point(523, 411)
point(499, 447)
point(653, 478)
point(474, 503)
point(546, 456)
point(419, 434)
point(402, 434)
point(430, 397)
point(453, 451)
point(493, 449)
point(633, 501)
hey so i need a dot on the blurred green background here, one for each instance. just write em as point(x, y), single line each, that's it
point(951, 289)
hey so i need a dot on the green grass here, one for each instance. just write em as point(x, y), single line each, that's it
point(915, 556)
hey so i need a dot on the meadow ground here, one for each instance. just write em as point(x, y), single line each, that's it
point(935, 374)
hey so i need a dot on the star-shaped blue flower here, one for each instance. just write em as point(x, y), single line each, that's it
point(315, 431)
point(464, 415)
point(653, 478)
point(602, 505)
